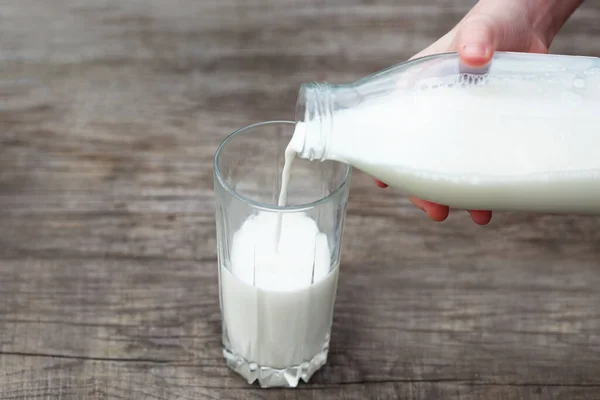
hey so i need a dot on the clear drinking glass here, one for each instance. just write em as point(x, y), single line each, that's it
point(276, 291)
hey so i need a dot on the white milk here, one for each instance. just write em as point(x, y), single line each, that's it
point(509, 145)
point(278, 300)
point(286, 174)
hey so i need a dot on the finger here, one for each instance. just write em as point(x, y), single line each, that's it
point(417, 203)
point(476, 41)
point(380, 184)
point(481, 217)
point(436, 212)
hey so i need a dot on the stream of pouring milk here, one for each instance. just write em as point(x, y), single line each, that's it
point(289, 156)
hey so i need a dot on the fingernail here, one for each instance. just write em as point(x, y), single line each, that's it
point(475, 50)
point(380, 184)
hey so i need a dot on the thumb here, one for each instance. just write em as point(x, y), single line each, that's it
point(476, 41)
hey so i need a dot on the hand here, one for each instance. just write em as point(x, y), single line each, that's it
point(503, 25)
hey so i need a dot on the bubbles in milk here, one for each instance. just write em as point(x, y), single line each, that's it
point(465, 80)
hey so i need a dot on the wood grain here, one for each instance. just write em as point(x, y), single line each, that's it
point(110, 114)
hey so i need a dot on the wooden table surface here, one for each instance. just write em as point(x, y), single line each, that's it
point(110, 111)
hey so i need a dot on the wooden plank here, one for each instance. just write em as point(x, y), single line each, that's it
point(109, 119)
point(86, 379)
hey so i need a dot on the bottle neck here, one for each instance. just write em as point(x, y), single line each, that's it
point(314, 121)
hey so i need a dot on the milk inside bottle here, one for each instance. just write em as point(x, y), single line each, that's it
point(522, 133)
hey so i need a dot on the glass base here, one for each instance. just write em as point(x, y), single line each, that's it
point(274, 377)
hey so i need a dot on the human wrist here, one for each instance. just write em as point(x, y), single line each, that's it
point(548, 16)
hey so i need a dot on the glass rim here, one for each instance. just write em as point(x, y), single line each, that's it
point(264, 206)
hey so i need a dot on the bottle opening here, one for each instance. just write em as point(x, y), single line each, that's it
point(314, 110)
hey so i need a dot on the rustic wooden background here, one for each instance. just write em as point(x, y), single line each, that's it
point(110, 111)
